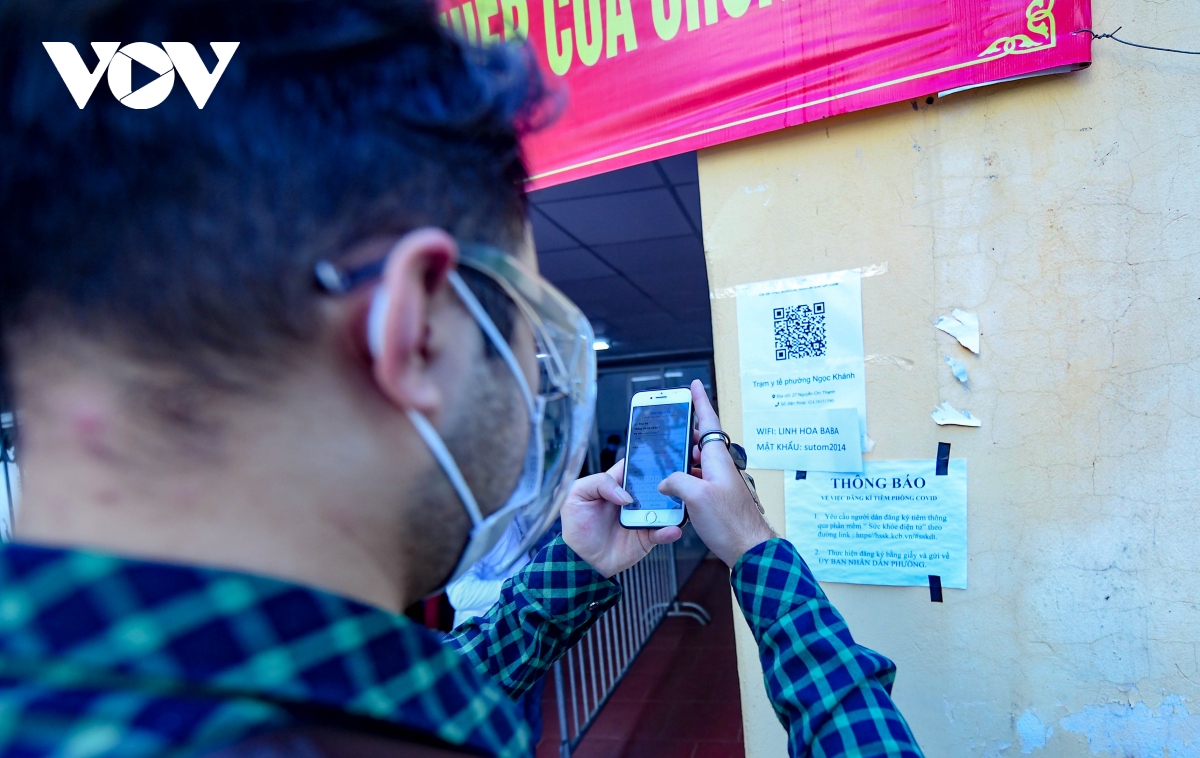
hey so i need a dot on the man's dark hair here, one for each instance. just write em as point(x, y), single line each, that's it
point(188, 236)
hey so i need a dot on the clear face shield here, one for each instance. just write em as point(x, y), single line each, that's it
point(518, 312)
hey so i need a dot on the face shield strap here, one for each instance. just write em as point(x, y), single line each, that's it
point(488, 326)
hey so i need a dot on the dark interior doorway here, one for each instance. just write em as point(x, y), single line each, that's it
point(626, 246)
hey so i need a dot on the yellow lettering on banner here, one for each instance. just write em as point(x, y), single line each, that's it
point(710, 12)
point(589, 38)
point(666, 24)
point(693, 14)
point(560, 58)
point(517, 29)
point(619, 19)
point(456, 25)
point(468, 10)
point(488, 10)
point(736, 8)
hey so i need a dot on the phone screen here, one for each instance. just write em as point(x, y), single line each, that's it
point(658, 447)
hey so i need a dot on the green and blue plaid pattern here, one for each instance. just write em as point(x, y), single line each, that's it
point(106, 656)
point(541, 615)
point(832, 695)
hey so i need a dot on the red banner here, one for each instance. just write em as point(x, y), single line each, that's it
point(646, 79)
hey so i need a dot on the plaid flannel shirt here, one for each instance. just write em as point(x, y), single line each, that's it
point(107, 656)
point(832, 695)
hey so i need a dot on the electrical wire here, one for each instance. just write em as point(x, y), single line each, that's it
point(1113, 36)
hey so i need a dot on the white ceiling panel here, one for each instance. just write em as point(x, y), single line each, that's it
point(626, 217)
point(609, 298)
point(651, 333)
point(572, 265)
point(699, 316)
point(625, 246)
point(632, 178)
point(676, 289)
point(546, 235)
point(654, 255)
point(690, 195)
point(681, 169)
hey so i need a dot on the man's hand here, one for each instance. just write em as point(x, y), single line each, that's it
point(718, 502)
point(591, 521)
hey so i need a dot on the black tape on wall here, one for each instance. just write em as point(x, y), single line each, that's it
point(943, 458)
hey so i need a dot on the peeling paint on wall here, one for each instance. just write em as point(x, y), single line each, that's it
point(1084, 268)
point(1137, 731)
point(988, 749)
point(895, 360)
point(1033, 732)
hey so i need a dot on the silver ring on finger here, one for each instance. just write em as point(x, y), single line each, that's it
point(715, 434)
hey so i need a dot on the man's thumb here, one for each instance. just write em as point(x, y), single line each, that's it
point(681, 485)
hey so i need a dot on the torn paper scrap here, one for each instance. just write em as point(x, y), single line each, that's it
point(963, 327)
point(948, 414)
point(960, 371)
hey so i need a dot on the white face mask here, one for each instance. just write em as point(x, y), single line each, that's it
point(486, 532)
point(561, 407)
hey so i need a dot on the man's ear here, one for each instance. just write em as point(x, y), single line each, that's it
point(399, 324)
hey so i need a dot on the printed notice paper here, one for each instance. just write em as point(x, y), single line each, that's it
point(895, 523)
point(800, 345)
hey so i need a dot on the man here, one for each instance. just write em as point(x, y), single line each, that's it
point(282, 368)
point(611, 452)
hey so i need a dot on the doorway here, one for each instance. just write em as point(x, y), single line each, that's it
point(626, 246)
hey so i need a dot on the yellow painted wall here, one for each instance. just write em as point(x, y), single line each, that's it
point(1065, 211)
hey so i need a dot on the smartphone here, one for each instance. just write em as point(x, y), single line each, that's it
point(659, 444)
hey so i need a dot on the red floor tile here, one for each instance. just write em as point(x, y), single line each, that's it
point(701, 721)
point(701, 678)
point(680, 698)
point(599, 747)
point(645, 677)
point(624, 720)
point(659, 749)
point(668, 638)
point(720, 750)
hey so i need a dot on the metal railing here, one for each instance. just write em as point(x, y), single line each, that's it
point(587, 675)
point(9, 475)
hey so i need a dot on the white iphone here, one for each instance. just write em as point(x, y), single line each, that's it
point(659, 444)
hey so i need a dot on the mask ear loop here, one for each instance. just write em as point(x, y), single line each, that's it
point(446, 461)
point(489, 328)
point(432, 439)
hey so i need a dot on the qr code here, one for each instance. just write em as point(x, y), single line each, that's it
point(800, 331)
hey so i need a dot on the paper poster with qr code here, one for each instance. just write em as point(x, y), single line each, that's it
point(800, 345)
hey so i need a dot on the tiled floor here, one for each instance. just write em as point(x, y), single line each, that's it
point(680, 698)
